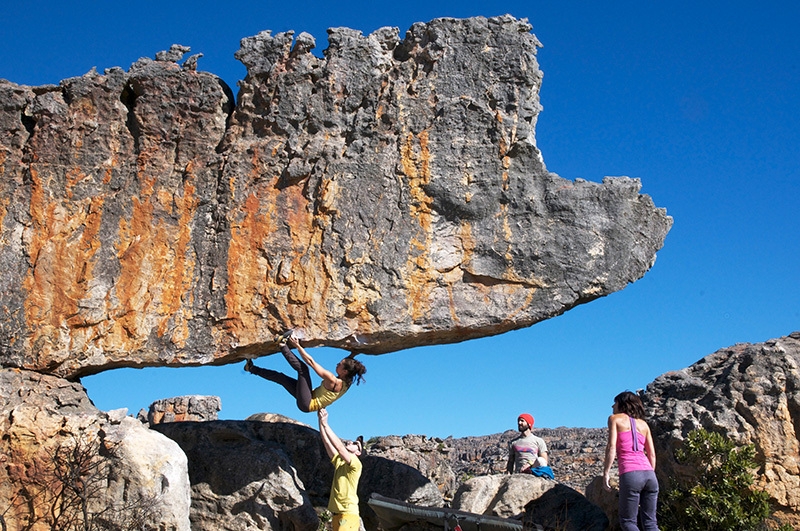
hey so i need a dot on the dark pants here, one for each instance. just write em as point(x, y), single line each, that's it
point(638, 495)
point(300, 387)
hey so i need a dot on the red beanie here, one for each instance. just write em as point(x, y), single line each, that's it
point(528, 418)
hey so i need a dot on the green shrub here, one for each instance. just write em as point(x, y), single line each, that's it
point(720, 496)
point(325, 520)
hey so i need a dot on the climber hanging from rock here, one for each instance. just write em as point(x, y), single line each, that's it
point(333, 385)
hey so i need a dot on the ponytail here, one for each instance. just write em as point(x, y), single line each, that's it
point(355, 370)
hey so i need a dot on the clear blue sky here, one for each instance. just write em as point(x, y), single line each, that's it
point(700, 100)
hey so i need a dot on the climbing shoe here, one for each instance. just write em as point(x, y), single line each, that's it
point(281, 339)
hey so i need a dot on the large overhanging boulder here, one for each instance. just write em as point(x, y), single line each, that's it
point(388, 195)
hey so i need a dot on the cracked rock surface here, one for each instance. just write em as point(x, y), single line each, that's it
point(749, 393)
point(387, 195)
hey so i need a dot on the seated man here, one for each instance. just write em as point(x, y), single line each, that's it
point(527, 454)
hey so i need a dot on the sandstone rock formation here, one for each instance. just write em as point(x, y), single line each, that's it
point(431, 456)
point(196, 408)
point(607, 501)
point(749, 392)
point(388, 195)
point(57, 449)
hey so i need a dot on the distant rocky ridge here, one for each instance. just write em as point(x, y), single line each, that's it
point(385, 196)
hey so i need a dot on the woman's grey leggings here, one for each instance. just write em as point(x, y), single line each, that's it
point(300, 387)
point(638, 496)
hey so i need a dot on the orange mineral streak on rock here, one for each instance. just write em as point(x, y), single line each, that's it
point(514, 290)
point(503, 146)
point(178, 286)
point(89, 245)
point(240, 252)
point(277, 277)
point(249, 268)
point(452, 304)
point(415, 160)
point(74, 177)
point(467, 241)
point(326, 203)
point(313, 284)
point(143, 162)
point(61, 268)
point(353, 293)
point(109, 173)
point(153, 292)
point(136, 257)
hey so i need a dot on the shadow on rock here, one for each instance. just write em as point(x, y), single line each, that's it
point(565, 509)
point(394, 480)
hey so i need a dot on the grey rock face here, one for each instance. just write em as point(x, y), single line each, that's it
point(607, 501)
point(429, 457)
point(395, 479)
point(216, 446)
point(748, 392)
point(386, 196)
point(242, 477)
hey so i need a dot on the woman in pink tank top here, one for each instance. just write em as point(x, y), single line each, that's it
point(631, 444)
